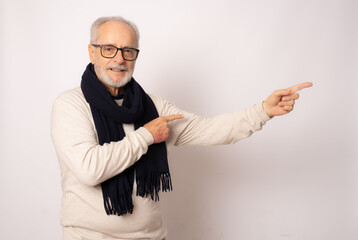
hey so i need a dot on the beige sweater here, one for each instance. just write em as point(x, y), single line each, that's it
point(85, 164)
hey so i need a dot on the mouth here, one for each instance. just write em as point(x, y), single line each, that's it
point(118, 69)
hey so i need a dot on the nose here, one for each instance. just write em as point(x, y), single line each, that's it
point(118, 58)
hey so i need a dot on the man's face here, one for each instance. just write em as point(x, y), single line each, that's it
point(113, 72)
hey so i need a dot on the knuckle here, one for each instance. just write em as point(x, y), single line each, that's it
point(276, 92)
point(288, 108)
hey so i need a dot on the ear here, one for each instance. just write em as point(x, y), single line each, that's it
point(91, 53)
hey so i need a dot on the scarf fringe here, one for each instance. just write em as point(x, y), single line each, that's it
point(152, 184)
point(119, 205)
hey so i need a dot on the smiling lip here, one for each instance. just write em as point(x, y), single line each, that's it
point(118, 69)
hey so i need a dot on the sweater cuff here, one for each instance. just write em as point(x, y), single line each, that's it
point(260, 110)
point(147, 136)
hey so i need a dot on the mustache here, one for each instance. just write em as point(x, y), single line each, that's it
point(117, 67)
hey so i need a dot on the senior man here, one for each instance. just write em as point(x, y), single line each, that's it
point(111, 140)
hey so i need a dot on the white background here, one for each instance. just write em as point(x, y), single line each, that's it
point(294, 180)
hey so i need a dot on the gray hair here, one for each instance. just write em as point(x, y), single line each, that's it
point(96, 24)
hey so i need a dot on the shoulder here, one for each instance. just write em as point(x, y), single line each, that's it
point(157, 100)
point(164, 107)
point(71, 94)
point(72, 98)
point(160, 103)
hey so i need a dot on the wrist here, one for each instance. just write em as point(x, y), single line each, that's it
point(266, 109)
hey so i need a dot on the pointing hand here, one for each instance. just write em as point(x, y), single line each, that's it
point(159, 127)
point(281, 102)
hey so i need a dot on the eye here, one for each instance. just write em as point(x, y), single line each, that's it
point(108, 49)
point(128, 51)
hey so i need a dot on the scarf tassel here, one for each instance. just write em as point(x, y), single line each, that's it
point(151, 185)
point(119, 205)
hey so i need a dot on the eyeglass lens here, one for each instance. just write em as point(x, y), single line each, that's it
point(111, 51)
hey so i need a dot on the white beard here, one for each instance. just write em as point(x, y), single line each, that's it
point(102, 75)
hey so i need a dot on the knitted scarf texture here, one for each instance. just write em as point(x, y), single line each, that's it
point(151, 170)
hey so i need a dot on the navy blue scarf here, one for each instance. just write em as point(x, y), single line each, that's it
point(151, 170)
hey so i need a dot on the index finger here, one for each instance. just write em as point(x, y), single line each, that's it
point(300, 86)
point(173, 117)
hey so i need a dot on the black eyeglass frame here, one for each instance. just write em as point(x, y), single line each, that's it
point(137, 50)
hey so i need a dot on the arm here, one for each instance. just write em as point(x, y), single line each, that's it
point(223, 129)
point(75, 140)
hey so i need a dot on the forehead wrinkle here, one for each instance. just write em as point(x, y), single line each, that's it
point(117, 34)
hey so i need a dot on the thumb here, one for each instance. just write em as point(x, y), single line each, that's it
point(280, 93)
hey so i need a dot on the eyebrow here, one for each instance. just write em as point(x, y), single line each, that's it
point(116, 46)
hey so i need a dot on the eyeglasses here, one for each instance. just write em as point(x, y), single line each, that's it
point(110, 51)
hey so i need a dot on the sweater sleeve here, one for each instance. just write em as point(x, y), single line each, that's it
point(75, 139)
point(222, 129)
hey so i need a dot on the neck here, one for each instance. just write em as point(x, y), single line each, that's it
point(115, 91)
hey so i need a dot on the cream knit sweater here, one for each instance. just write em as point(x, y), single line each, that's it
point(85, 164)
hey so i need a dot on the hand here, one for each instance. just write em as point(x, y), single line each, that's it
point(281, 102)
point(159, 127)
